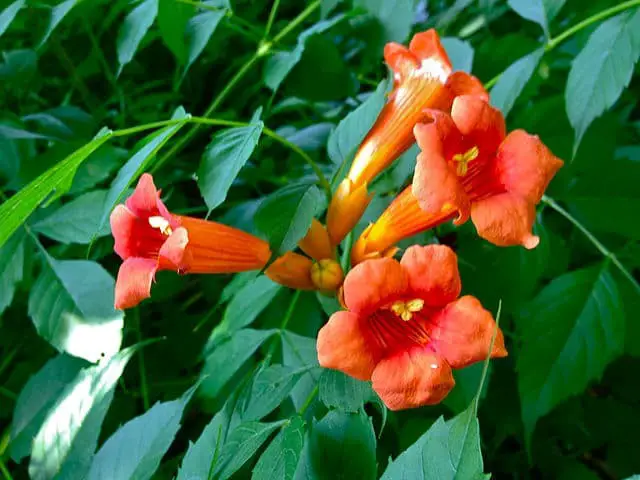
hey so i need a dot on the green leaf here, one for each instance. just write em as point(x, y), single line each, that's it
point(327, 6)
point(448, 450)
point(533, 10)
point(135, 450)
point(244, 307)
point(467, 382)
point(65, 443)
point(71, 306)
point(270, 387)
point(281, 457)
point(341, 445)
point(513, 80)
point(278, 66)
point(138, 163)
point(172, 22)
point(602, 70)
point(223, 159)
point(198, 32)
point(460, 53)
point(200, 456)
point(57, 179)
point(284, 217)
point(9, 13)
point(57, 15)
point(226, 358)
point(396, 16)
point(575, 328)
point(299, 351)
point(241, 445)
point(36, 399)
point(352, 129)
point(344, 392)
point(97, 168)
point(11, 267)
point(133, 30)
point(76, 221)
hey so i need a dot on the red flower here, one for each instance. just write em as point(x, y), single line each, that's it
point(406, 328)
point(149, 238)
point(423, 79)
point(468, 168)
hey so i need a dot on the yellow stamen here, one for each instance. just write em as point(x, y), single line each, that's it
point(161, 224)
point(405, 310)
point(463, 159)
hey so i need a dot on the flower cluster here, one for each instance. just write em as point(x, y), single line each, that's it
point(404, 327)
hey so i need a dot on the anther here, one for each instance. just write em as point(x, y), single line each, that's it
point(405, 310)
point(463, 159)
point(161, 224)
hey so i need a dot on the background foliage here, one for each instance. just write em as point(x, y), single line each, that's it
point(220, 376)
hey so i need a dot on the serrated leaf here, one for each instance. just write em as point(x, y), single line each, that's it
point(200, 457)
point(227, 357)
point(396, 16)
point(533, 10)
point(138, 163)
point(65, 443)
point(460, 53)
point(58, 178)
point(36, 399)
point(11, 267)
point(172, 22)
point(341, 391)
point(341, 445)
point(71, 306)
point(448, 450)
point(223, 159)
point(76, 221)
point(575, 328)
point(270, 387)
point(281, 457)
point(602, 70)
point(513, 80)
point(133, 30)
point(278, 66)
point(57, 15)
point(284, 217)
point(299, 351)
point(9, 13)
point(241, 445)
point(135, 450)
point(352, 129)
point(198, 32)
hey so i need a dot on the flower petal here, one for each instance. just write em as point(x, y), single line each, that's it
point(292, 270)
point(461, 332)
point(342, 345)
point(143, 200)
point(461, 83)
point(483, 125)
point(433, 273)
point(173, 249)
point(134, 282)
point(525, 165)
point(436, 185)
point(373, 283)
point(426, 45)
point(505, 220)
point(400, 60)
point(412, 378)
point(123, 224)
point(347, 206)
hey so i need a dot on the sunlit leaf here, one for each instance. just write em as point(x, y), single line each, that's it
point(460, 53)
point(281, 457)
point(198, 32)
point(9, 13)
point(344, 392)
point(71, 306)
point(575, 328)
point(135, 450)
point(133, 30)
point(11, 267)
point(396, 16)
point(57, 15)
point(513, 80)
point(534, 10)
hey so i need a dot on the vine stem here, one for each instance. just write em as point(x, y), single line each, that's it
point(604, 250)
point(569, 32)
point(5, 471)
point(144, 391)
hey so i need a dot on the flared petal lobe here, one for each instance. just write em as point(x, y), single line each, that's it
point(343, 345)
point(133, 283)
point(412, 378)
point(461, 333)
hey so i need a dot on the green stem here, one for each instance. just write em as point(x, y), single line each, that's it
point(8, 393)
point(5, 471)
point(485, 367)
point(144, 391)
point(297, 21)
point(604, 250)
point(6, 361)
point(309, 399)
point(272, 16)
point(147, 126)
point(569, 32)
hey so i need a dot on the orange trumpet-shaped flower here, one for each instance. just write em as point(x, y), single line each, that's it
point(149, 238)
point(405, 327)
point(423, 79)
point(468, 167)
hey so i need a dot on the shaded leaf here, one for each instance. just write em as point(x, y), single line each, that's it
point(11, 267)
point(513, 80)
point(135, 450)
point(36, 399)
point(281, 458)
point(71, 306)
point(602, 70)
point(344, 392)
point(57, 15)
point(284, 217)
point(198, 32)
point(574, 327)
point(133, 30)
point(533, 10)
point(299, 351)
point(9, 13)
point(396, 16)
point(172, 22)
point(97, 168)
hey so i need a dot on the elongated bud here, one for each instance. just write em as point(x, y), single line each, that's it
point(293, 271)
point(327, 275)
point(347, 207)
point(317, 243)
